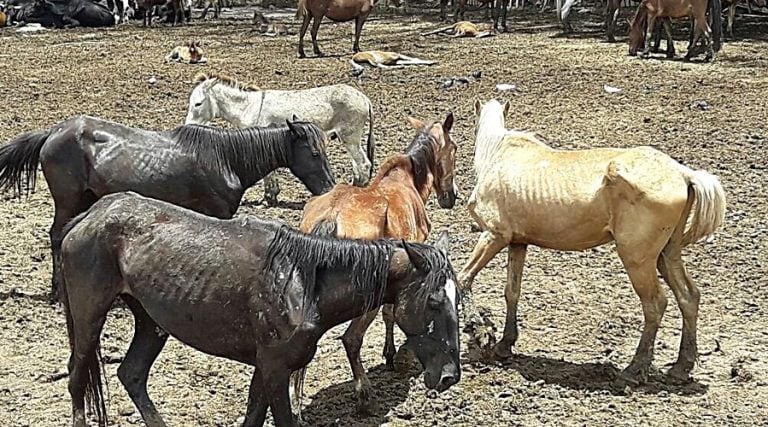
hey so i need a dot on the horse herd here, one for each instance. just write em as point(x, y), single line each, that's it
point(147, 217)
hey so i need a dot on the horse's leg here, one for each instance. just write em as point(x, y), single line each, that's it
point(642, 273)
point(359, 21)
point(512, 295)
point(671, 267)
point(205, 10)
point(148, 341)
point(271, 189)
point(504, 14)
point(697, 32)
point(351, 138)
point(651, 27)
point(315, 27)
point(302, 32)
point(670, 40)
point(258, 401)
point(731, 17)
point(277, 381)
point(388, 314)
point(353, 340)
point(488, 245)
point(612, 8)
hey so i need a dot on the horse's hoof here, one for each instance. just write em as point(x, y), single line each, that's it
point(633, 375)
point(270, 201)
point(302, 54)
point(502, 350)
point(319, 54)
point(611, 39)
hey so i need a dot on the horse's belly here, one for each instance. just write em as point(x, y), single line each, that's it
point(345, 13)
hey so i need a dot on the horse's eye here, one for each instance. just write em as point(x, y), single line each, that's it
point(198, 104)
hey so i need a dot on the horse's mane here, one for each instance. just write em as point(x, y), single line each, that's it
point(242, 151)
point(227, 80)
point(367, 261)
point(421, 155)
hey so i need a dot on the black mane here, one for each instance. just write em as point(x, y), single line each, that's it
point(421, 152)
point(368, 261)
point(244, 152)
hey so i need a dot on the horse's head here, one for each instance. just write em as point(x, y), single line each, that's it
point(444, 150)
point(308, 160)
point(426, 310)
point(202, 107)
point(637, 27)
point(492, 113)
point(196, 52)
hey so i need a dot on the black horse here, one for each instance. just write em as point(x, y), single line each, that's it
point(197, 167)
point(70, 13)
point(253, 291)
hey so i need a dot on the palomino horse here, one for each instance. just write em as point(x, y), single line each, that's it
point(391, 207)
point(336, 10)
point(200, 168)
point(249, 290)
point(530, 194)
point(340, 110)
point(650, 10)
point(385, 60)
point(499, 8)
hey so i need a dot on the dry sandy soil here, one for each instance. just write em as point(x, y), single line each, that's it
point(580, 318)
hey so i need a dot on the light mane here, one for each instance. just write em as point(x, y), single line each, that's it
point(492, 135)
point(226, 80)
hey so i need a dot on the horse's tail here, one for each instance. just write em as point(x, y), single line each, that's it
point(325, 228)
point(708, 213)
point(19, 159)
point(94, 391)
point(716, 14)
point(301, 9)
point(371, 147)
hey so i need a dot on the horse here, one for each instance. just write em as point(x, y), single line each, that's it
point(249, 290)
point(640, 198)
point(340, 110)
point(148, 6)
point(189, 53)
point(460, 29)
point(732, 11)
point(385, 60)
point(650, 10)
point(200, 168)
point(498, 7)
point(392, 206)
point(336, 10)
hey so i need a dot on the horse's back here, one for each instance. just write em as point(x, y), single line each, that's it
point(359, 213)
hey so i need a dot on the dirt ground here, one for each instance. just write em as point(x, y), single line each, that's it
point(580, 318)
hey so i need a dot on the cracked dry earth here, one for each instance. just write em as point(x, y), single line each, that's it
point(580, 318)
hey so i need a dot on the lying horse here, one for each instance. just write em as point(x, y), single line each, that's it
point(340, 110)
point(530, 194)
point(74, 13)
point(385, 60)
point(248, 290)
point(190, 53)
point(393, 206)
point(650, 10)
point(460, 29)
point(200, 168)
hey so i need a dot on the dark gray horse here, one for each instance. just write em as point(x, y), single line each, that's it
point(245, 289)
point(201, 168)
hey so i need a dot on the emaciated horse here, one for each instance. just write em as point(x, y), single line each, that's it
point(249, 290)
point(336, 10)
point(340, 110)
point(650, 10)
point(200, 168)
point(647, 203)
point(392, 206)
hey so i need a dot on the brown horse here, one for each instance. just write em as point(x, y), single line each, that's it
point(392, 206)
point(650, 10)
point(336, 10)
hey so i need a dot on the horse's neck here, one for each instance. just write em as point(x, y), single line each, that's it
point(491, 139)
point(399, 171)
point(239, 107)
point(270, 153)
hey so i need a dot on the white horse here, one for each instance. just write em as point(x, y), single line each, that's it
point(652, 206)
point(339, 110)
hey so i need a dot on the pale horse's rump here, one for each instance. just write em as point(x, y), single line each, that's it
point(339, 110)
point(649, 204)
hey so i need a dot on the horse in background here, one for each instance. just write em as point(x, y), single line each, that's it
point(340, 110)
point(335, 10)
point(651, 10)
point(252, 291)
point(640, 198)
point(393, 207)
point(200, 168)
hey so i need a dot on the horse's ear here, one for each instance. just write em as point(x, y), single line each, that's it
point(416, 259)
point(443, 242)
point(295, 118)
point(291, 126)
point(506, 108)
point(478, 107)
point(448, 123)
point(416, 123)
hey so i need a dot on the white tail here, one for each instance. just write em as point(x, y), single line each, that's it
point(708, 213)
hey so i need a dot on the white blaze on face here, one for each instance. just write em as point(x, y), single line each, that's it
point(450, 290)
